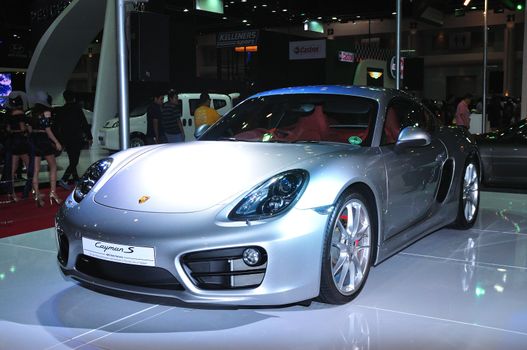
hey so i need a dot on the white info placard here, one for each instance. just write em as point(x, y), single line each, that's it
point(125, 254)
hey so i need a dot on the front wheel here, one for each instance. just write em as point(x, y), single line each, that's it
point(348, 249)
point(469, 196)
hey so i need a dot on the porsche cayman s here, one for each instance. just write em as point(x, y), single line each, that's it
point(293, 195)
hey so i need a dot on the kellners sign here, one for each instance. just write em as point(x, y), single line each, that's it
point(235, 39)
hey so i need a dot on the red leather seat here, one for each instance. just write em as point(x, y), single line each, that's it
point(313, 127)
point(392, 126)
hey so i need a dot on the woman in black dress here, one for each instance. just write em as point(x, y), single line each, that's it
point(46, 144)
point(18, 142)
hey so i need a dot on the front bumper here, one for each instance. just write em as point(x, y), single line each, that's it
point(292, 243)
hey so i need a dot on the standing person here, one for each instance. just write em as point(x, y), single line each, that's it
point(72, 126)
point(508, 112)
point(171, 119)
point(45, 144)
point(153, 120)
point(204, 114)
point(463, 112)
point(18, 145)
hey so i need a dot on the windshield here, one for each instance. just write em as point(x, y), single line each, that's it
point(299, 118)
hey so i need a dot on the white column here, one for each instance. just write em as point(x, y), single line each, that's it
point(61, 46)
point(524, 69)
point(106, 91)
point(509, 58)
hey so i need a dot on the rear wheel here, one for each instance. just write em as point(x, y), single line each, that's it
point(137, 141)
point(469, 196)
point(348, 249)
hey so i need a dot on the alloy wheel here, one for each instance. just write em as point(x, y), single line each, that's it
point(470, 192)
point(350, 246)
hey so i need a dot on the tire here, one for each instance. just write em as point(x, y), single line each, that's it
point(468, 207)
point(137, 141)
point(341, 247)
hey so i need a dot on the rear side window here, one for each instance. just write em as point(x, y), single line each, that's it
point(193, 104)
point(219, 104)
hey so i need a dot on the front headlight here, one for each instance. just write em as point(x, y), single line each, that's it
point(90, 178)
point(272, 197)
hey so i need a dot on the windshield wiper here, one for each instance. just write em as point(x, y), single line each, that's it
point(228, 139)
point(307, 141)
point(235, 139)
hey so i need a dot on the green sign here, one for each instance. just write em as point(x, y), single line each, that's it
point(355, 140)
point(215, 6)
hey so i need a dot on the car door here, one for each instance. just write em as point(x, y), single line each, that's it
point(412, 173)
point(509, 159)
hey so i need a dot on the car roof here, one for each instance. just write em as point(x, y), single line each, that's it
point(351, 90)
point(196, 95)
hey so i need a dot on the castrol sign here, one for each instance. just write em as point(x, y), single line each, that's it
point(307, 50)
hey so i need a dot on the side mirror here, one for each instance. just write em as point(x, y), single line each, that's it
point(412, 136)
point(201, 130)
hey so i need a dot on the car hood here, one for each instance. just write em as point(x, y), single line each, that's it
point(197, 175)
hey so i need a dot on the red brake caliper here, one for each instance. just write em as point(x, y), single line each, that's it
point(345, 217)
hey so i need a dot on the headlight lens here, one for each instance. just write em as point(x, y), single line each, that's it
point(272, 197)
point(90, 178)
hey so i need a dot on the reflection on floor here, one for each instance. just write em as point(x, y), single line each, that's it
point(451, 290)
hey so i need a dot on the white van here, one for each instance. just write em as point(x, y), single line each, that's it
point(108, 136)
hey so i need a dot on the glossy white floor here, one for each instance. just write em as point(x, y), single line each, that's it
point(451, 290)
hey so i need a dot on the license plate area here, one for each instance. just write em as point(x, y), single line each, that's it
point(126, 254)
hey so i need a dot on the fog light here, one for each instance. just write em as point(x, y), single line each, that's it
point(251, 256)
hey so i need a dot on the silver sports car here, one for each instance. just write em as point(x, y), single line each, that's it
point(295, 194)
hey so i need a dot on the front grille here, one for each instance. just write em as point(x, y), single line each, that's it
point(142, 276)
point(224, 269)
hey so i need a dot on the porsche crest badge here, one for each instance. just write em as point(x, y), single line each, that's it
point(143, 199)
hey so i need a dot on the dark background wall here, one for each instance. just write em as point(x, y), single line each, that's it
point(339, 72)
point(276, 70)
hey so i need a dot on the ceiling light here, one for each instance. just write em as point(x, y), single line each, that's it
point(255, 6)
point(319, 17)
point(466, 3)
point(473, 8)
point(273, 11)
point(394, 13)
point(244, 21)
point(244, 0)
point(224, 18)
point(264, 5)
point(334, 18)
point(284, 10)
point(358, 16)
point(185, 10)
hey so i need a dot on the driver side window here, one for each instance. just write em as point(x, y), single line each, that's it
point(400, 114)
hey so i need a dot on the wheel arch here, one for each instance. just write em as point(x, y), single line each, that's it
point(137, 134)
